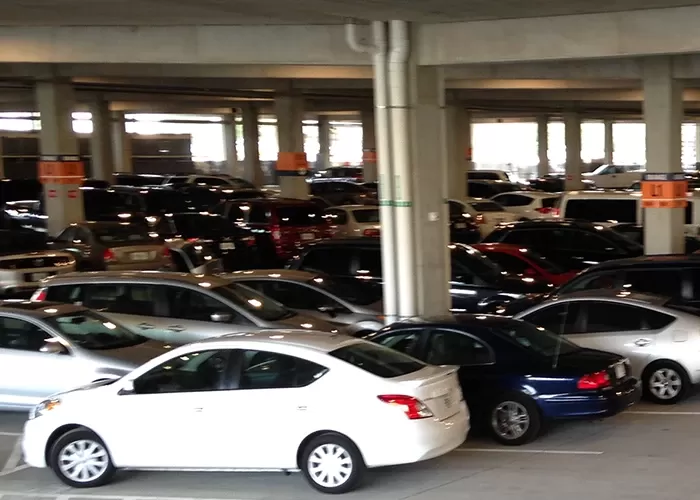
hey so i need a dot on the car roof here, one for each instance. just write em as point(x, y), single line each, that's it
point(346, 242)
point(38, 309)
point(97, 276)
point(648, 261)
point(485, 247)
point(624, 296)
point(318, 341)
point(544, 223)
point(611, 193)
point(465, 320)
point(533, 194)
point(288, 274)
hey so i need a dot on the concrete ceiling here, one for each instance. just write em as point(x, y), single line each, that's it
point(222, 12)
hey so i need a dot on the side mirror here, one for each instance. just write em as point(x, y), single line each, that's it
point(329, 310)
point(54, 348)
point(127, 388)
point(221, 317)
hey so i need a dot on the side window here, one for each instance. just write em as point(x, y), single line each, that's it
point(508, 262)
point(293, 295)
point(583, 240)
point(559, 318)
point(333, 261)
point(259, 214)
point(271, 370)
point(334, 216)
point(67, 235)
point(126, 298)
point(456, 209)
point(22, 335)
point(658, 281)
point(210, 181)
point(522, 237)
point(610, 280)
point(82, 236)
point(408, 342)
point(602, 317)
point(369, 263)
point(194, 372)
point(479, 190)
point(196, 306)
point(68, 294)
point(449, 347)
point(601, 210)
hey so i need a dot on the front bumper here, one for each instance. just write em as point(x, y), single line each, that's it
point(595, 404)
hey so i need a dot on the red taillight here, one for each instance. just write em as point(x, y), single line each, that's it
point(249, 241)
point(40, 295)
point(166, 252)
point(555, 212)
point(276, 232)
point(545, 210)
point(592, 381)
point(191, 240)
point(109, 256)
point(371, 233)
point(480, 219)
point(412, 407)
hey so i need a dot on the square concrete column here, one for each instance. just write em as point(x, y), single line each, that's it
point(121, 144)
point(429, 183)
point(252, 170)
point(572, 139)
point(291, 161)
point(609, 144)
point(369, 145)
point(63, 200)
point(542, 145)
point(231, 164)
point(459, 147)
point(663, 115)
point(101, 153)
point(323, 160)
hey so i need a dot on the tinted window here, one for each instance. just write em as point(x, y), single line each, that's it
point(118, 233)
point(448, 347)
point(194, 372)
point(406, 342)
point(271, 370)
point(525, 237)
point(333, 261)
point(22, 335)
point(369, 263)
point(512, 200)
point(378, 360)
point(610, 280)
point(667, 282)
point(197, 306)
point(209, 181)
point(355, 292)
point(468, 261)
point(602, 317)
point(90, 331)
point(370, 216)
point(550, 202)
point(299, 215)
point(139, 300)
point(485, 176)
point(254, 303)
point(165, 201)
point(293, 295)
point(508, 262)
point(536, 338)
point(486, 206)
point(336, 217)
point(557, 318)
point(67, 294)
point(583, 240)
point(601, 210)
point(201, 225)
point(456, 209)
point(103, 202)
point(480, 190)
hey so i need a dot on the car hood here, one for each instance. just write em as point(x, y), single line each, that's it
point(128, 358)
point(304, 322)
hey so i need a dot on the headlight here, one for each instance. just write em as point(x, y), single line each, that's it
point(44, 407)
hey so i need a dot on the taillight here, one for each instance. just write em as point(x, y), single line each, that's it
point(545, 210)
point(276, 232)
point(371, 233)
point(40, 295)
point(555, 212)
point(592, 381)
point(412, 407)
point(166, 252)
point(249, 240)
point(191, 240)
point(109, 256)
point(480, 219)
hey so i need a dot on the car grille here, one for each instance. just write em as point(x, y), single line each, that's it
point(35, 262)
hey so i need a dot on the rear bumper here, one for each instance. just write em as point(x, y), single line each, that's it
point(597, 404)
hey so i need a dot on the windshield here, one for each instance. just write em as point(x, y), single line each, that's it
point(358, 293)
point(254, 303)
point(535, 338)
point(127, 233)
point(621, 241)
point(466, 259)
point(94, 332)
point(191, 225)
point(377, 359)
point(370, 216)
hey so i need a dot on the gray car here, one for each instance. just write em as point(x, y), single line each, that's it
point(47, 348)
point(176, 307)
point(357, 305)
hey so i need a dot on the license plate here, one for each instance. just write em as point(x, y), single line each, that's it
point(37, 276)
point(140, 256)
point(620, 370)
point(460, 225)
point(307, 236)
point(227, 246)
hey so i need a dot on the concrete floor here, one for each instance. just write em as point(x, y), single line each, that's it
point(649, 452)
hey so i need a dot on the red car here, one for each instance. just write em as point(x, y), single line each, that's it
point(521, 260)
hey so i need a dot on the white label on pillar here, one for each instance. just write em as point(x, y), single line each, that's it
point(433, 216)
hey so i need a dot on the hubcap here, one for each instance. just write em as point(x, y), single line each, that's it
point(510, 420)
point(83, 461)
point(665, 383)
point(330, 465)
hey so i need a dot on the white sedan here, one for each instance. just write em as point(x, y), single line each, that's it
point(354, 221)
point(281, 400)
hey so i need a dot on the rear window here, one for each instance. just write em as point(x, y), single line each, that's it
point(366, 216)
point(550, 202)
point(378, 360)
point(123, 234)
point(486, 206)
point(299, 216)
point(602, 210)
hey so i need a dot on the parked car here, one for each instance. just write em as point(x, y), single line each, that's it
point(138, 180)
point(463, 226)
point(358, 305)
point(528, 204)
point(175, 307)
point(403, 411)
point(660, 339)
point(635, 233)
point(353, 221)
point(158, 201)
point(488, 175)
point(487, 214)
point(47, 347)
point(555, 183)
point(570, 244)
point(190, 180)
point(349, 173)
point(489, 189)
point(280, 225)
point(339, 192)
point(525, 262)
point(476, 281)
point(114, 246)
point(514, 376)
point(615, 176)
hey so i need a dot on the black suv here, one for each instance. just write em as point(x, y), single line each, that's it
point(476, 280)
point(569, 243)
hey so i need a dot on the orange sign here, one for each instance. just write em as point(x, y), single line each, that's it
point(664, 191)
point(61, 170)
point(292, 164)
point(369, 156)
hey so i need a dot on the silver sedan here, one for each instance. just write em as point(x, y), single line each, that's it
point(47, 348)
point(661, 340)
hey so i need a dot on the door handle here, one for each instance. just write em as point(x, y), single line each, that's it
point(146, 326)
point(642, 342)
point(176, 328)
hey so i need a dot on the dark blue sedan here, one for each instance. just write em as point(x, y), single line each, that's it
point(516, 376)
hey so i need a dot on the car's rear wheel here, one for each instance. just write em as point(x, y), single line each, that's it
point(332, 463)
point(514, 419)
point(665, 382)
point(80, 459)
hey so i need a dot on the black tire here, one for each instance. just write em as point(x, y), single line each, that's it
point(81, 438)
point(674, 373)
point(331, 441)
point(527, 410)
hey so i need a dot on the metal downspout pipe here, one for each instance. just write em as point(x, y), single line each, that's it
point(379, 52)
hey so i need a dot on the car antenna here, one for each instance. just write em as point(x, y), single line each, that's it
point(555, 361)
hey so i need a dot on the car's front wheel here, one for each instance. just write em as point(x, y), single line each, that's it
point(80, 459)
point(332, 463)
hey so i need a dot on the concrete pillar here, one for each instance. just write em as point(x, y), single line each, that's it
point(58, 146)
point(291, 168)
point(542, 145)
point(459, 146)
point(697, 144)
point(323, 161)
point(101, 152)
point(121, 144)
point(231, 164)
point(252, 170)
point(663, 115)
point(572, 139)
point(609, 144)
point(369, 145)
